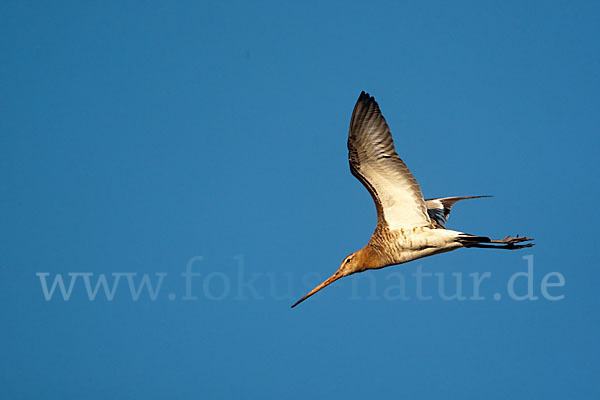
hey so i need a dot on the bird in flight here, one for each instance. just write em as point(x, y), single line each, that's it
point(408, 226)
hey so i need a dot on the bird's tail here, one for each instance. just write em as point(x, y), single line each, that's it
point(439, 208)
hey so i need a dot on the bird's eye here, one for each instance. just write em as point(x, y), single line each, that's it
point(347, 260)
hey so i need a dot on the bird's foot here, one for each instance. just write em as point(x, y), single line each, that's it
point(511, 242)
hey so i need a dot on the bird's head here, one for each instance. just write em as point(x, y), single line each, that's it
point(350, 265)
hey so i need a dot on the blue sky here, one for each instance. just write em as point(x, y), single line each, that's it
point(137, 137)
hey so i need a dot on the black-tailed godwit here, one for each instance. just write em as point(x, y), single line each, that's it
point(408, 226)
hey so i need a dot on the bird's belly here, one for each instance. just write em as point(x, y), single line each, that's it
point(418, 243)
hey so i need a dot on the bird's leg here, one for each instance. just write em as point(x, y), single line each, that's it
point(507, 246)
point(508, 243)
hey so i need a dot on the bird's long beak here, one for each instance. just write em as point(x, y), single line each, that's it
point(329, 281)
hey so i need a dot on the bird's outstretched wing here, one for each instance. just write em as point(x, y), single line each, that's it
point(374, 161)
point(439, 208)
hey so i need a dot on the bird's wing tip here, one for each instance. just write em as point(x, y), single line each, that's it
point(365, 95)
point(366, 100)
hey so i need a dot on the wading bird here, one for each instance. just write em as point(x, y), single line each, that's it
point(408, 226)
